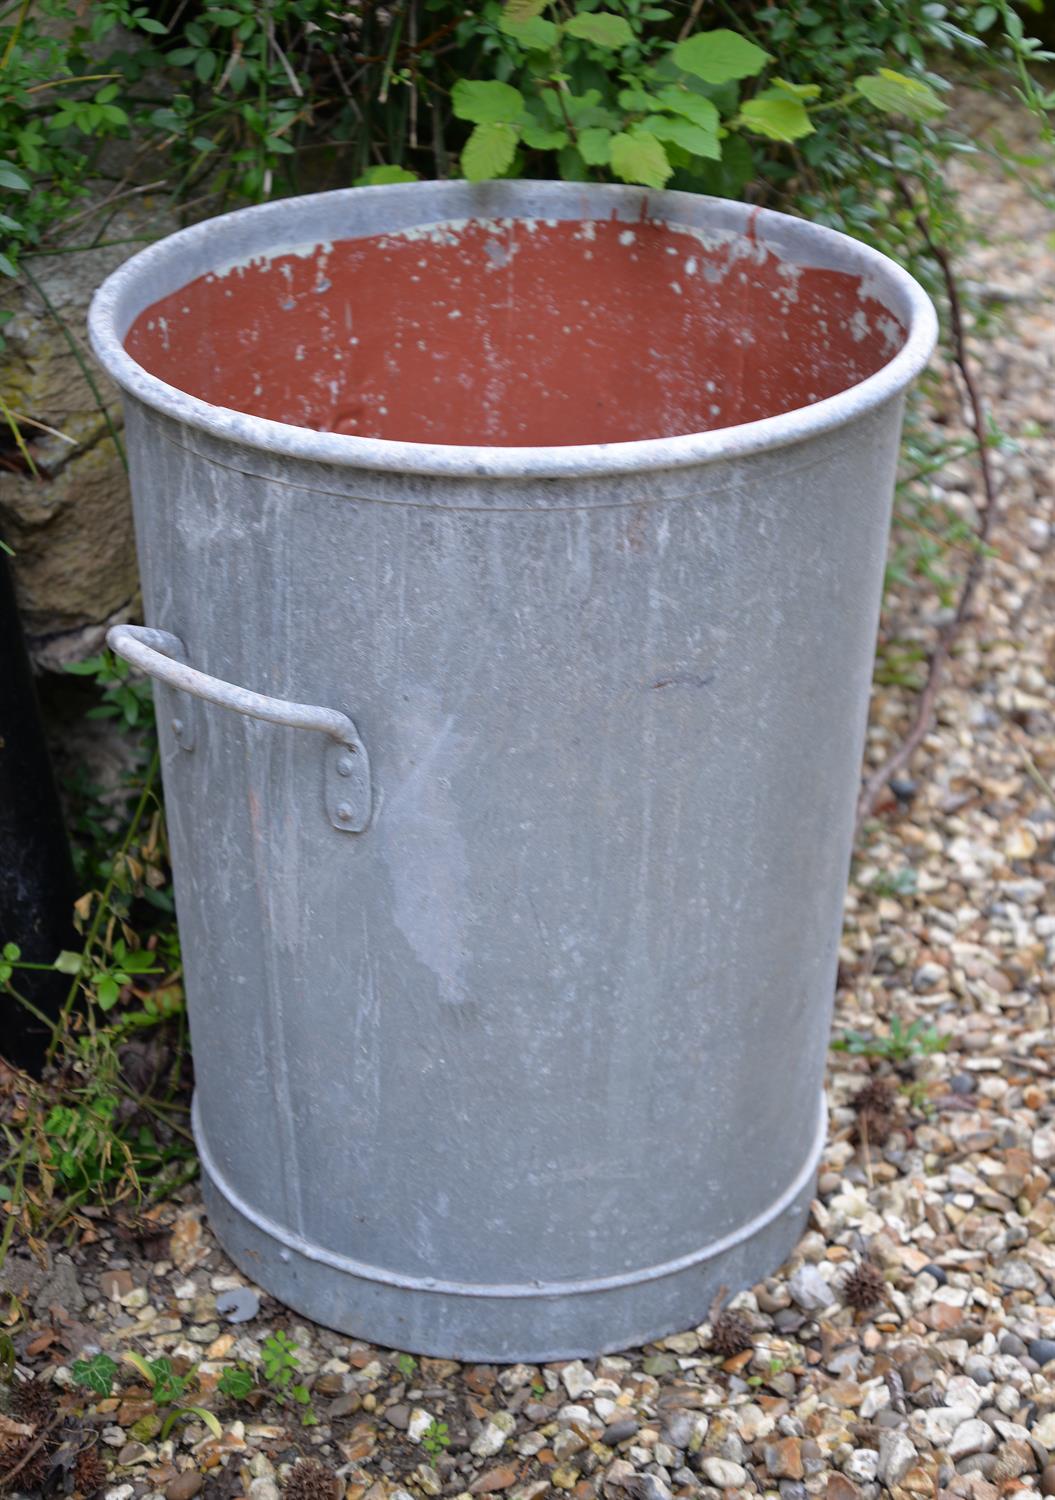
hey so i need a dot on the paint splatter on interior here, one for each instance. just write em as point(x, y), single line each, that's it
point(518, 332)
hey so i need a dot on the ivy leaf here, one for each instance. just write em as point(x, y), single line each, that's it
point(774, 115)
point(536, 34)
point(600, 27)
point(638, 157)
point(96, 1374)
point(524, 10)
point(719, 56)
point(380, 176)
point(693, 107)
point(486, 103)
point(897, 94)
point(595, 146)
point(692, 138)
point(540, 139)
point(12, 178)
point(489, 151)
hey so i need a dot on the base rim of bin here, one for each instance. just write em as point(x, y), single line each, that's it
point(534, 1322)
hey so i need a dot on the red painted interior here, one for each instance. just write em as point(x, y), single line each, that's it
point(519, 332)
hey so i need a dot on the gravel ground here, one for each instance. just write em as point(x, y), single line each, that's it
point(938, 1182)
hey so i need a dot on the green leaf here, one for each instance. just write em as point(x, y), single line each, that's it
point(148, 1372)
point(984, 17)
point(106, 992)
point(719, 56)
point(774, 115)
point(96, 1374)
point(595, 146)
point(638, 157)
point(147, 23)
point(12, 178)
point(897, 94)
point(691, 106)
point(600, 27)
point(209, 1418)
point(486, 103)
point(636, 101)
point(540, 139)
point(571, 166)
point(489, 151)
point(69, 962)
point(380, 176)
point(692, 138)
point(236, 1382)
point(798, 90)
point(536, 34)
point(12, 952)
point(524, 10)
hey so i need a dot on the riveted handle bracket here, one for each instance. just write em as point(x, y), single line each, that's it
point(162, 655)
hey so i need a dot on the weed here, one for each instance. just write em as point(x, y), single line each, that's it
point(280, 1365)
point(107, 1121)
point(236, 1382)
point(899, 1045)
point(406, 1364)
point(167, 1389)
point(894, 883)
point(435, 1438)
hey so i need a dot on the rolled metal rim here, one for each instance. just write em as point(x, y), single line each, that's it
point(136, 284)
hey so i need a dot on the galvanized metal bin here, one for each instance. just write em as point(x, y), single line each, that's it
point(511, 559)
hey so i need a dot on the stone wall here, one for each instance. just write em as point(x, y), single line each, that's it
point(71, 527)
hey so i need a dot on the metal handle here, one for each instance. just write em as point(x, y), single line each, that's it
point(162, 655)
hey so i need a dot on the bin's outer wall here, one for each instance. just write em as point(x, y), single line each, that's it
point(533, 1065)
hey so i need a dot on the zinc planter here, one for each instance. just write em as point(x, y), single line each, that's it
point(511, 559)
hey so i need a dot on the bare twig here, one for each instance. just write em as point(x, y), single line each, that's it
point(690, 19)
point(294, 81)
point(111, 198)
point(948, 634)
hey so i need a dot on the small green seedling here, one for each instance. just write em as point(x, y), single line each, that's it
point(168, 1389)
point(278, 1356)
point(406, 1365)
point(279, 1359)
point(98, 1373)
point(895, 883)
point(435, 1438)
point(236, 1382)
point(901, 1043)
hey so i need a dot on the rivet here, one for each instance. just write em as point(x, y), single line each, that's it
point(344, 812)
point(345, 765)
point(177, 726)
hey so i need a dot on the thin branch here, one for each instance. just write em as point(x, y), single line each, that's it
point(948, 634)
point(114, 197)
point(82, 363)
